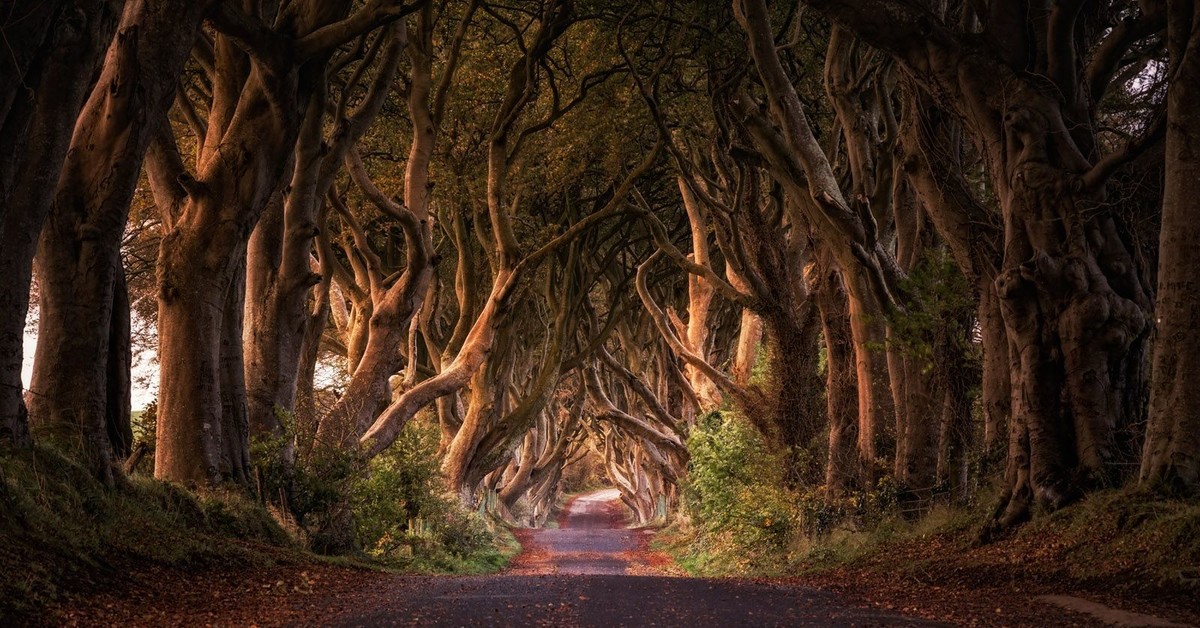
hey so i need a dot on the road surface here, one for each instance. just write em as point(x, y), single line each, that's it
point(585, 573)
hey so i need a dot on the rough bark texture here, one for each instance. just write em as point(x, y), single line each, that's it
point(52, 51)
point(79, 252)
point(1171, 460)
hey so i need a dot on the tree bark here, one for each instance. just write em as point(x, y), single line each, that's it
point(79, 252)
point(700, 297)
point(841, 389)
point(208, 218)
point(1171, 459)
point(1072, 293)
point(235, 419)
point(52, 51)
point(119, 387)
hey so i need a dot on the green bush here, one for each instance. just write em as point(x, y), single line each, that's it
point(734, 495)
point(820, 515)
point(405, 516)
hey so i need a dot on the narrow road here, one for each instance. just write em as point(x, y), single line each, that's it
point(580, 575)
point(591, 539)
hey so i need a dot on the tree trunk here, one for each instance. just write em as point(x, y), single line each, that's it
point(955, 376)
point(192, 297)
point(918, 412)
point(235, 420)
point(79, 252)
point(795, 400)
point(270, 383)
point(1072, 293)
point(1075, 313)
point(841, 390)
point(875, 407)
point(997, 368)
point(1171, 459)
point(252, 129)
point(119, 413)
point(46, 44)
point(700, 297)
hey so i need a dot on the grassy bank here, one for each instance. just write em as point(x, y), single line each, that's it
point(64, 535)
point(1127, 549)
point(63, 532)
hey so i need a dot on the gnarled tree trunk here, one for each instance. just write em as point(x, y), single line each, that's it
point(52, 51)
point(79, 253)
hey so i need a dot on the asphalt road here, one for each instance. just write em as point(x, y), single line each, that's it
point(578, 575)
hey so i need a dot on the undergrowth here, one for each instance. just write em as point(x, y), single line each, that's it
point(61, 531)
point(407, 519)
point(740, 516)
point(1121, 538)
point(395, 509)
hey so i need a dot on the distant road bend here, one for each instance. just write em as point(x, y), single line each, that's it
point(588, 573)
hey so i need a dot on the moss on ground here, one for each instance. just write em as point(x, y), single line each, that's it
point(61, 531)
point(1119, 540)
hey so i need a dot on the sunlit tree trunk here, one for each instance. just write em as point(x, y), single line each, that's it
point(79, 253)
point(52, 50)
point(262, 85)
point(841, 391)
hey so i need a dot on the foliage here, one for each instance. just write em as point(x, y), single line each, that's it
point(405, 517)
point(395, 509)
point(820, 514)
point(941, 302)
point(733, 494)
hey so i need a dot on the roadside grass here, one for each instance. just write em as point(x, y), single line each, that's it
point(61, 531)
point(64, 535)
point(1115, 540)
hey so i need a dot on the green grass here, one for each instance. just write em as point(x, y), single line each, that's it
point(62, 531)
point(1113, 540)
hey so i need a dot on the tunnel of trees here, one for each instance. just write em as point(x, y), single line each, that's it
point(931, 244)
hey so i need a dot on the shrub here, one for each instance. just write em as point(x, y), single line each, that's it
point(734, 494)
point(406, 517)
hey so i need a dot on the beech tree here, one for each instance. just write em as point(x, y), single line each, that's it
point(509, 261)
point(905, 240)
point(54, 48)
point(83, 313)
point(267, 68)
point(1074, 301)
point(1172, 452)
